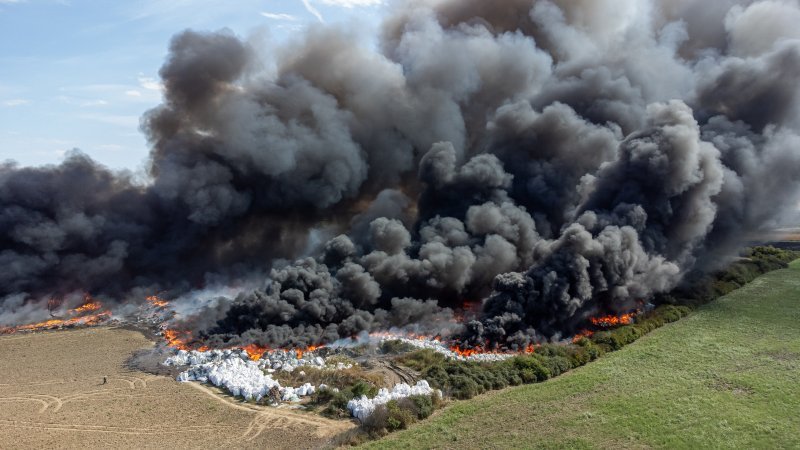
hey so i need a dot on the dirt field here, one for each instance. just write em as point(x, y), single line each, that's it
point(51, 395)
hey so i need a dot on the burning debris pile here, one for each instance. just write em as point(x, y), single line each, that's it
point(451, 352)
point(550, 160)
point(613, 321)
point(87, 314)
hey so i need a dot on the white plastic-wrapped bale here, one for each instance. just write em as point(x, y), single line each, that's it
point(235, 372)
point(287, 393)
point(440, 347)
point(194, 357)
point(275, 359)
point(239, 377)
point(305, 390)
point(361, 408)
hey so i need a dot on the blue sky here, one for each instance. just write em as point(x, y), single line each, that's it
point(80, 73)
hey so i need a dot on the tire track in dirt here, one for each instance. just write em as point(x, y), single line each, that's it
point(112, 429)
point(112, 393)
point(44, 407)
point(130, 383)
point(285, 417)
point(57, 403)
point(38, 383)
point(263, 421)
point(136, 380)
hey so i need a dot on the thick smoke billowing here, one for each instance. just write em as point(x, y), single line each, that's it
point(553, 159)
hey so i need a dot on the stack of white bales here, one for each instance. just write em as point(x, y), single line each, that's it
point(361, 408)
point(440, 347)
point(195, 358)
point(239, 377)
point(234, 371)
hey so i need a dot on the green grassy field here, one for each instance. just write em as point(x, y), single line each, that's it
point(727, 376)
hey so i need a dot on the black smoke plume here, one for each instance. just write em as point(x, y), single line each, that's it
point(551, 159)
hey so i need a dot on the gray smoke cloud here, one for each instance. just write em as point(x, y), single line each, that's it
point(550, 159)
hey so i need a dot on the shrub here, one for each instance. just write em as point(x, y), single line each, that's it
point(421, 359)
point(583, 352)
point(436, 375)
point(530, 369)
point(397, 414)
point(323, 396)
point(377, 423)
point(395, 347)
point(437, 400)
point(666, 313)
point(399, 418)
point(335, 403)
point(362, 388)
point(420, 406)
point(557, 365)
point(462, 387)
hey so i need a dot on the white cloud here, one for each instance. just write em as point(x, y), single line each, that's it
point(278, 16)
point(81, 102)
point(314, 11)
point(133, 93)
point(91, 103)
point(120, 120)
point(93, 88)
point(15, 101)
point(352, 3)
point(340, 3)
point(110, 147)
point(151, 84)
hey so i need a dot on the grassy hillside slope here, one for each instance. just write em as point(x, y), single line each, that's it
point(727, 376)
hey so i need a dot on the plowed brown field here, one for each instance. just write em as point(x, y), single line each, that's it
point(52, 395)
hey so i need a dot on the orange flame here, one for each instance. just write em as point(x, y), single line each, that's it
point(582, 334)
point(530, 348)
point(89, 320)
point(80, 318)
point(612, 321)
point(310, 348)
point(182, 340)
point(156, 301)
point(466, 352)
point(254, 351)
point(89, 305)
point(175, 340)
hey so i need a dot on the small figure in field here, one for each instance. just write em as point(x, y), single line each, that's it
point(105, 380)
